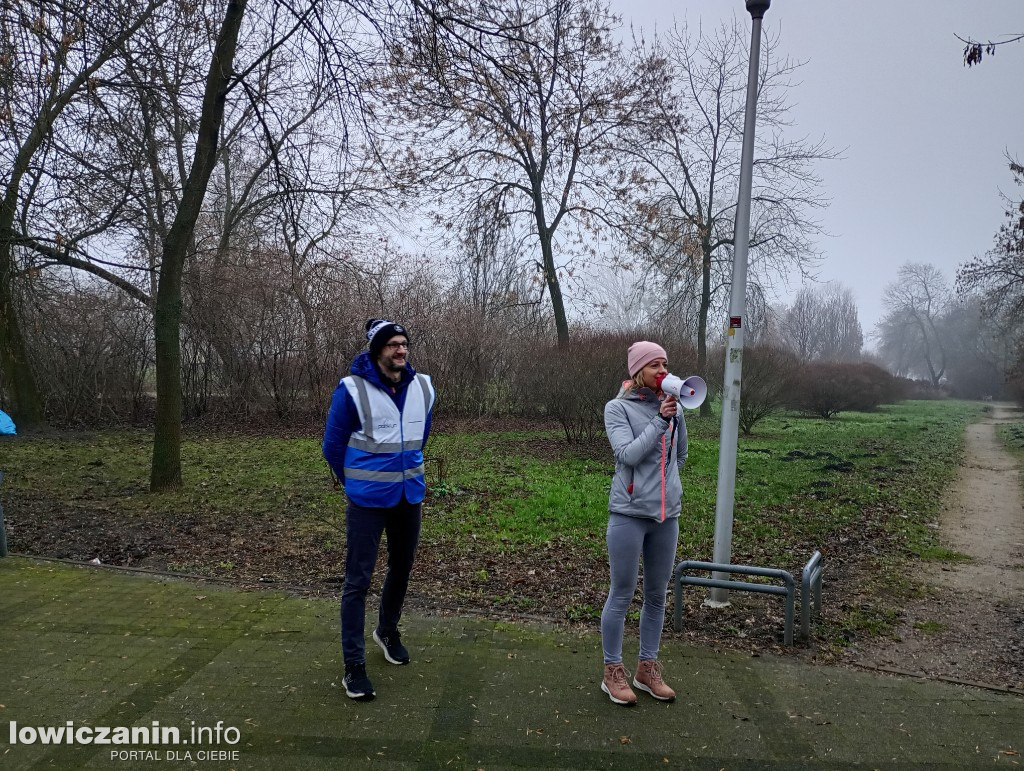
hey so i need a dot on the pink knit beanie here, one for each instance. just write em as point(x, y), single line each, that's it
point(643, 353)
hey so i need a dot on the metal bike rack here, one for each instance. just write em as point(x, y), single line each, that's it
point(810, 589)
point(786, 591)
point(810, 593)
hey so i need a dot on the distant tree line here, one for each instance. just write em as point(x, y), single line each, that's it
point(255, 348)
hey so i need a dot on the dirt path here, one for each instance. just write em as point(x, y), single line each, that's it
point(971, 627)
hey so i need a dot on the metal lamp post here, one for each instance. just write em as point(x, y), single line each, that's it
point(737, 312)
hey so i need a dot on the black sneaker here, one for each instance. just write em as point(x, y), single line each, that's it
point(392, 646)
point(357, 684)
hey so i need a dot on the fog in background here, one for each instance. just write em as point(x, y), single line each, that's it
point(923, 137)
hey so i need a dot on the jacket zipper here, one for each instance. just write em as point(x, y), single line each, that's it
point(662, 477)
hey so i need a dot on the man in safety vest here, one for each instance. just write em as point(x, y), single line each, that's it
point(376, 431)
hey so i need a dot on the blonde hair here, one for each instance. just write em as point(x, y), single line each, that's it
point(636, 382)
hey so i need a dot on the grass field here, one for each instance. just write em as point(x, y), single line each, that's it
point(797, 478)
point(863, 488)
point(800, 482)
point(1013, 437)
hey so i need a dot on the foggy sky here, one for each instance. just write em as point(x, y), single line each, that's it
point(923, 137)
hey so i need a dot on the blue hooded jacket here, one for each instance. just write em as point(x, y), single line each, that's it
point(343, 418)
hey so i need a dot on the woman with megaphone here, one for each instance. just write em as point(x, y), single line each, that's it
point(647, 433)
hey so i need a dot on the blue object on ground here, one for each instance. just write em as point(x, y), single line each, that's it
point(6, 424)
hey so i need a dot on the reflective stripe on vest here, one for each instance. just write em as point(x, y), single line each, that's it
point(384, 459)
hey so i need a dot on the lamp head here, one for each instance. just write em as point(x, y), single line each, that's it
point(757, 8)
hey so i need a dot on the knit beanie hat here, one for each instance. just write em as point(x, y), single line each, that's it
point(643, 353)
point(379, 331)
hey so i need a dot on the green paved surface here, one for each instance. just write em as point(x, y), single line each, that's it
point(115, 650)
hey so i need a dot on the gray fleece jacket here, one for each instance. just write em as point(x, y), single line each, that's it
point(649, 451)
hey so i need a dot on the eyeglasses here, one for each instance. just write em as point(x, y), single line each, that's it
point(396, 346)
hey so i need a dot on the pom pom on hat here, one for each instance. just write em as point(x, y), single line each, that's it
point(643, 353)
point(379, 331)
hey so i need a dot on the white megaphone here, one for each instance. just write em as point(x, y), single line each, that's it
point(690, 392)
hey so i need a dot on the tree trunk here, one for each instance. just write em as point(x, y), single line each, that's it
point(26, 405)
point(554, 288)
point(166, 469)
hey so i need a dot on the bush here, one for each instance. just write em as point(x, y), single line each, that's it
point(827, 388)
point(475, 358)
point(767, 371)
point(909, 388)
point(91, 350)
point(573, 384)
point(875, 386)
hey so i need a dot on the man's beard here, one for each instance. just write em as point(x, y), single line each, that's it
point(392, 366)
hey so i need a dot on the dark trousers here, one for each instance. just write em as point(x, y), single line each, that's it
point(363, 530)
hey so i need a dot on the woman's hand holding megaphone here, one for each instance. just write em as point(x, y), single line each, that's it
point(690, 392)
point(669, 407)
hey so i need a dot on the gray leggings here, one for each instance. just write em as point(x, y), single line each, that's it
point(629, 538)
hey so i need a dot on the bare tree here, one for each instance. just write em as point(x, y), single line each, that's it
point(897, 345)
point(497, 309)
point(53, 55)
point(998, 279)
point(798, 325)
point(91, 345)
point(524, 118)
point(490, 269)
point(166, 468)
point(999, 275)
point(319, 36)
point(620, 300)
point(911, 331)
point(982, 347)
point(822, 324)
point(186, 111)
point(690, 158)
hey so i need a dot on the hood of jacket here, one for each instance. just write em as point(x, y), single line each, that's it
point(363, 366)
point(645, 394)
